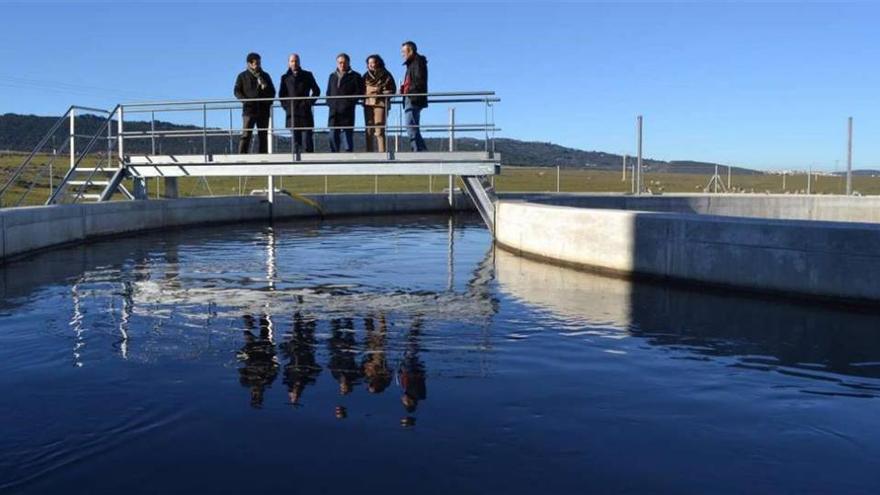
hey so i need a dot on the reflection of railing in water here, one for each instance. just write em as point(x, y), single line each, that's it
point(145, 295)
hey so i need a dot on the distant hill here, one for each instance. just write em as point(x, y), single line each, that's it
point(869, 172)
point(23, 132)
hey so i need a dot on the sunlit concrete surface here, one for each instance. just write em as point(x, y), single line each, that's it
point(837, 260)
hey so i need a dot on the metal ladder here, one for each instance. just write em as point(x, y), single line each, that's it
point(96, 183)
point(90, 185)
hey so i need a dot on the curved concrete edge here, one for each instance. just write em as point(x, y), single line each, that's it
point(29, 229)
point(832, 208)
point(825, 260)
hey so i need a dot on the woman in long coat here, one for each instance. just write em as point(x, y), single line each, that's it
point(377, 81)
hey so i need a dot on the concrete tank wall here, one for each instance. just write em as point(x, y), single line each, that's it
point(778, 206)
point(805, 258)
point(27, 229)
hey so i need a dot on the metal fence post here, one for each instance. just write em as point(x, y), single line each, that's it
point(810, 180)
point(639, 160)
point(632, 177)
point(849, 133)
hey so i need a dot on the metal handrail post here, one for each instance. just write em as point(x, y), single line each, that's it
point(270, 182)
point(205, 131)
point(121, 134)
point(230, 131)
point(399, 127)
point(72, 137)
point(493, 129)
point(109, 145)
point(486, 122)
point(451, 148)
point(294, 152)
point(153, 132)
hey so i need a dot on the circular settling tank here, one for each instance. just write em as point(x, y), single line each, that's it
point(408, 354)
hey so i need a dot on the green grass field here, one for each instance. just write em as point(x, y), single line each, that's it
point(512, 179)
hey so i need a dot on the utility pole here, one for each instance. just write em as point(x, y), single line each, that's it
point(728, 178)
point(849, 158)
point(624, 168)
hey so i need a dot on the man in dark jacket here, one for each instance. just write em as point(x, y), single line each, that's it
point(343, 82)
point(298, 82)
point(415, 82)
point(254, 83)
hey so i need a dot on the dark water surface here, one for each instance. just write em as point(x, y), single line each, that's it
point(405, 355)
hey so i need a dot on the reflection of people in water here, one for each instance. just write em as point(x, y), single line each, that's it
point(411, 374)
point(343, 351)
point(258, 354)
point(302, 368)
point(375, 364)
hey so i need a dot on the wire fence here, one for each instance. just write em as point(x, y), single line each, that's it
point(547, 179)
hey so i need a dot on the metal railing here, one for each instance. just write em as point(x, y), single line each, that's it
point(131, 136)
point(97, 137)
point(394, 131)
point(41, 161)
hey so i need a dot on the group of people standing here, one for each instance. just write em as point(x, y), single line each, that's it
point(346, 88)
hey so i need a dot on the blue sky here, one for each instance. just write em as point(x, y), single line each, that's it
point(765, 85)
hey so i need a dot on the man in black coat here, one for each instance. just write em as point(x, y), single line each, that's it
point(254, 83)
point(415, 82)
point(298, 82)
point(343, 82)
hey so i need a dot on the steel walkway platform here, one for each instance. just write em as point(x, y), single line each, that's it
point(111, 156)
point(459, 163)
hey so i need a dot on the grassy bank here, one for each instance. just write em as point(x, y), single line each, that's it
point(511, 179)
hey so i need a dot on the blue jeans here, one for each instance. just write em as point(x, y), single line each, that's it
point(411, 117)
point(347, 134)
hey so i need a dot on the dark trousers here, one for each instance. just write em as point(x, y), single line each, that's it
point(309, 138)
point(348, 136)
point(294, 120)
point(247, 124)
